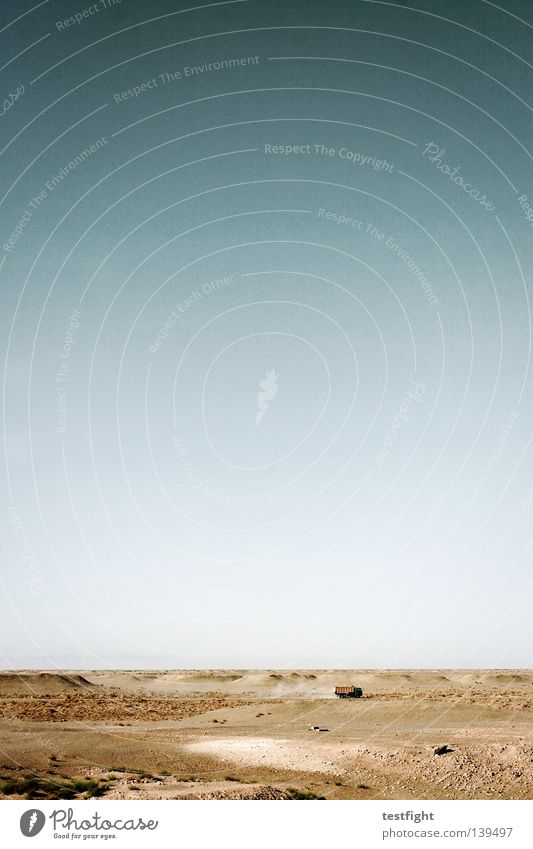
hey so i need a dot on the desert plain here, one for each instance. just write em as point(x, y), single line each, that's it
point(266, 734)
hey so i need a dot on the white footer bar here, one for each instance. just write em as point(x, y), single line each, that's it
point(258, 824)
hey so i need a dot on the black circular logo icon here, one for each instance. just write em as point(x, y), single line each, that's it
point(32, 822)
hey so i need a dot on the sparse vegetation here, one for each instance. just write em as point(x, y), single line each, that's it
point(302, 794)
point(98, 791)
point(34, 787)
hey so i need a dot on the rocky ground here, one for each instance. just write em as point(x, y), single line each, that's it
point(246, 734)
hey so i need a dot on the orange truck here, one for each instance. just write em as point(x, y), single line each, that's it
point(349, 692)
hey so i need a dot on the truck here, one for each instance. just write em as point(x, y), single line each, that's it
point(348, 692)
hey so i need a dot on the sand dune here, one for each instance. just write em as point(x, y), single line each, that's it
point(42, 683)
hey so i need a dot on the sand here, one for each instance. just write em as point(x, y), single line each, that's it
point(249, 734)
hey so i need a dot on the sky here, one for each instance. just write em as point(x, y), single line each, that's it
point(265, 334)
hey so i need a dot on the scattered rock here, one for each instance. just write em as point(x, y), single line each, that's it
point(442, 750)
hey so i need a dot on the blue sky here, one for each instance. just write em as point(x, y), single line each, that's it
point(266, 337)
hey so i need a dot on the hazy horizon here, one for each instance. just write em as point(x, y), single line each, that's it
point(170, 668)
